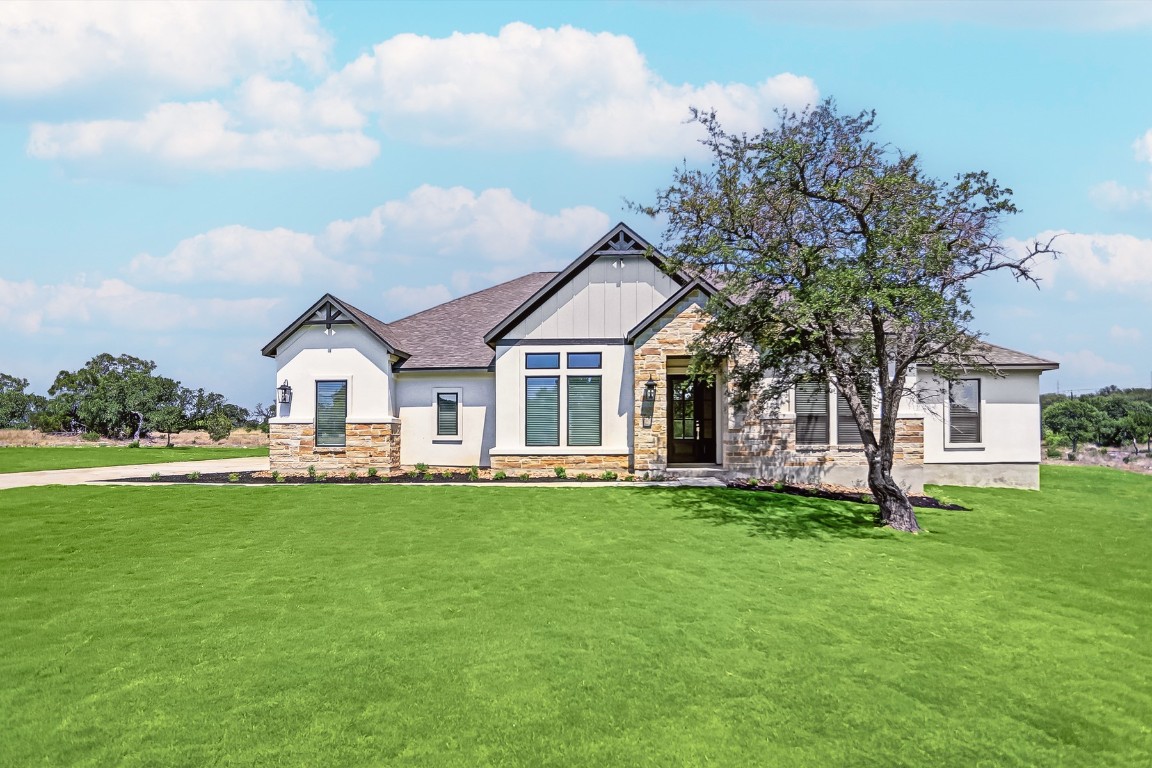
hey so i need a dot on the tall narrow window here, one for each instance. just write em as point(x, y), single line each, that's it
point(542, 410)
point(964, 411)
point(583, 410)
point(847, 432)
point(447, 414)
point(331, 413)
point(812, 413)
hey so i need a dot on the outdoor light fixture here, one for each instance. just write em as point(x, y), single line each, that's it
point(648, 403)
point(285, 392)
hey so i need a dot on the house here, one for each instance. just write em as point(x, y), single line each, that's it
point(587, 369)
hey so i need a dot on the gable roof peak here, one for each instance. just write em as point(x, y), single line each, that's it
point(328, 311)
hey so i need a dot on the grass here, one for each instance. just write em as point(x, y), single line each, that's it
point(465, 626)
point(77, 457)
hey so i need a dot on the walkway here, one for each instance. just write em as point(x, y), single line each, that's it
point(96, 474)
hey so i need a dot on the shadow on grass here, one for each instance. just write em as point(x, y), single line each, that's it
point(774, 515)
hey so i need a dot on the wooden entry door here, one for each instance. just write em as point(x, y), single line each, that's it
point(691, 421)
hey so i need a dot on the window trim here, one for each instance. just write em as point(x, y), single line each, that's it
point(978, 443)
point(528, 355)
point(559, 411)
point(568, 410)
point(316, 413)
point(459, 434)
point(599, 361)
point(828, 410)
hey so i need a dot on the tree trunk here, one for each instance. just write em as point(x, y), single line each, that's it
point(139, 424)
point(895, 510)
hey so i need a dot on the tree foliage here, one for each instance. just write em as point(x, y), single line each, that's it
point(836, 257)
point(1077, 420)
point(17, 407)
point(1118, 417)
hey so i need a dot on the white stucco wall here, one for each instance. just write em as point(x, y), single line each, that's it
point(416, 402)
point(616, 398)
point(604, 300)
point(309, 356)
point(1009, 422)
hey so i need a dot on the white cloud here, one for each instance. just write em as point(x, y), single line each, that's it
point(1112, 195)
point(200, 135)
point(1087, 365)
point(32, 308)
point(1143, 147)
point(589, 92)
point(1106, 263)
point(52, 48)
point(403, 300)
point(236, 254)
point(1125, 335)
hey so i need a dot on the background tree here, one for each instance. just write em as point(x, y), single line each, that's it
point(17, 407)
point(837, 258)
point(1077, 420)
point(113, 396)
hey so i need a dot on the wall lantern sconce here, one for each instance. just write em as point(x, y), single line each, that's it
point(648, 403)
point(285, 392)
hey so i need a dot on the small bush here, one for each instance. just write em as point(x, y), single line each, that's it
point(473, 473)
point(276, 477)
point(321, 476)
point(422, 468)
point(608, 475)
point(446, 474)
point(525, 476)
point(629, 478)
point(234, 477)
point(1053, 452)
point(560, 472)
point(429, 476)
point(372, 471)
point(583, 476)
point(499, 475)
point(312, 472)
point(134, 444)
point(155, 475)
point(90, 437)
point(352, 474)
point(777, 486)
point(193, 475)
point(753, 481)
point(1071, 456)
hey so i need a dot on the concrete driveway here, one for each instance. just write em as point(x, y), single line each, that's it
point(96, 474)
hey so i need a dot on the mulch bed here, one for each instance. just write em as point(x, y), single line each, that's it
point(264, 478)
point(840, 493)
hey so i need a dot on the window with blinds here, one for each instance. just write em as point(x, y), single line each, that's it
point(542, 410)
point(811, 413)
point(847, 433)
point(331, 413)
point(447, 414)
point(964, 411)
point(583, 410)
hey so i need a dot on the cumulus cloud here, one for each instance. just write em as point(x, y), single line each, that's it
point(54, 48)
point(31, 308)
point(1125, 335)
point(1112, 195)
point(476, 237)
point(201, 135)
point(588, 92)
point(1107, 263)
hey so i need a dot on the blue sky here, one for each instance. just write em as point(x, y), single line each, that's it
point(180, 181)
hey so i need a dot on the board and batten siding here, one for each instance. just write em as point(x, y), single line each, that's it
point(601, 301)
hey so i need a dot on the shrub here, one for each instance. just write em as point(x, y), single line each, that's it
point(372, 471)
point(473, 473)
point(525, 476)
point(352, 474)
point(446, 474)
point(1054, 452)
point(321, 476)
point(583, 476)
point(90, 437)
point(753, 481)
point(422, 468)
point(276, 477)
point(234, 477)
point(312, 472)
point(629, 478)
point(429, 476)
point(560, 472)
point(777, 486)
point(155, 475)
point(193, 475)
point(608, 475)
point(134, 444)
point(1071, 456)
point(499, 475)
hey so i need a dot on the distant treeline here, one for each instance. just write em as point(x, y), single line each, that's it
point(1110, 416)
point(122, 397)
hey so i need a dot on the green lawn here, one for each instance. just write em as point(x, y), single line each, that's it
point(77, 457)
point(446, 626)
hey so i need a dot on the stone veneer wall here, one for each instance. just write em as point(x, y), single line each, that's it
point(668, 337)
point(538, 464)
point(292, 448)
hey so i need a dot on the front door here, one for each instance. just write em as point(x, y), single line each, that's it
point(691, 421)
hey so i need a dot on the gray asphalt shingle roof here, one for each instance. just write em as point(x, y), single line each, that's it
point(451, 335)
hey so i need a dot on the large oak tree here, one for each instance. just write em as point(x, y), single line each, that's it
point(836, 258)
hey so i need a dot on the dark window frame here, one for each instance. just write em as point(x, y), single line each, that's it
point(324, 441)
point(577, 366)
point(973, 417)
point(814, 416)
point(528, 441)
point(455, 395)
point(530, 357)
point(599, 379)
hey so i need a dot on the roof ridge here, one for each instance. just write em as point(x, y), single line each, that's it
point(474, 293)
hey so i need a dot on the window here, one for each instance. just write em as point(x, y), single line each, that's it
point(812, 413)
point(583, 409)
point(447, 414)
point(847, 433)
point(542, 409)
point(542, 360)
point(331, 413)
point(583, 359)
point(964, 411)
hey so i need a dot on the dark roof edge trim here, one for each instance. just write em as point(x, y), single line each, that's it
point(398, 370)
point(271, 348)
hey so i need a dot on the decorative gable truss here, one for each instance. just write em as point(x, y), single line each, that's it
point(331, 312)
